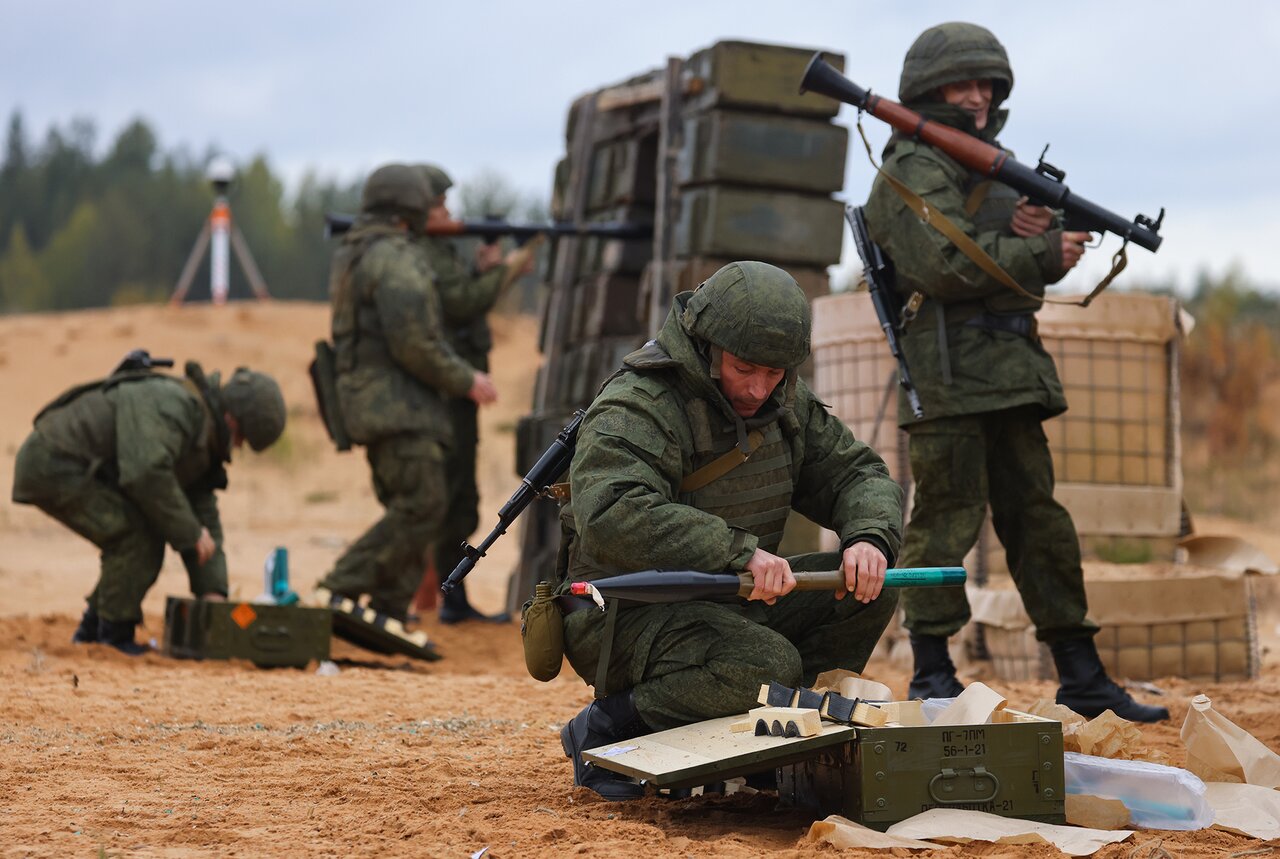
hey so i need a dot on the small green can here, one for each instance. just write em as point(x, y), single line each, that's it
point(265, 634)
point(888, 774)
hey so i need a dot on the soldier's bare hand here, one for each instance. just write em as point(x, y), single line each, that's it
point(212, 597)
point(488, 255)
point(863, 565)
point(1073, 248)
point(482, 390)
point(1029, 220)
point(205, 547)
point(520, 261)
point(772, 576)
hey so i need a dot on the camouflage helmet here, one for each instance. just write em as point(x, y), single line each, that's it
point(753, 310)
point(954, 52)
point(255, 401)
point(396, 189)
point(437, 180)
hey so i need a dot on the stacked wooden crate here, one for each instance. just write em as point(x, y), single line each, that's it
point(723, 158)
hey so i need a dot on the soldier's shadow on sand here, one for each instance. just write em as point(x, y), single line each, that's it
point(385, 664)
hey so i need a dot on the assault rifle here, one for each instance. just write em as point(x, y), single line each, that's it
point(536, 483)
point(491, 229)
point(140, 359)
point(879, 278)
point(1044, 184)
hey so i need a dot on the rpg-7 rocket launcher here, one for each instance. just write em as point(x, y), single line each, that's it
point(491, 229)
point(1042, 184)
point(553, 463)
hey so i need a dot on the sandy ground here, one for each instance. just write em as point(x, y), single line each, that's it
point(105, 755)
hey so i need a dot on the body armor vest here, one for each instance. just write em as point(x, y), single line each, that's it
point(755, 495)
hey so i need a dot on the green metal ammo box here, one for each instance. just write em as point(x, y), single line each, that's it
point(1013, 769)
point(267, 635)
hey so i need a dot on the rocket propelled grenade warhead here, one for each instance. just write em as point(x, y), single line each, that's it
point(664, 586)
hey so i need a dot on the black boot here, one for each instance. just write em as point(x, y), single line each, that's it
point(1086, 688)
point(87, 631)
point(455, 608)
point(935, 675)
point(119, 634)
point(610, 719)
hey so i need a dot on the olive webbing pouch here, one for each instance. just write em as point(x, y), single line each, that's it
point(324, 378)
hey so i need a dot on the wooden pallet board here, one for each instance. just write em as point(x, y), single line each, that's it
point(709, 751)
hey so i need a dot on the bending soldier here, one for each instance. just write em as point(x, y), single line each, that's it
point(650, 491)
point(394, 373)
point(466, 297)
point(984, 380)
point(130, 463)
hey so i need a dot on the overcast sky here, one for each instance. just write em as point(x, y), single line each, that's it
point(1173, 104)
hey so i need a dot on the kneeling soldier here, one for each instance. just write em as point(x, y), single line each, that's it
point(692, 457)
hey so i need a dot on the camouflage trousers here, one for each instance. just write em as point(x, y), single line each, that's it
point(387, 561)
point(686, 662)
point(962, 464)
point(462, 513)
point(132, 551)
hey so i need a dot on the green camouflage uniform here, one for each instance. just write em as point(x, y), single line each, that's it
point(131, 463)
point(395, 373)
point(985, 390)
point(465, 299)
point(662, 418)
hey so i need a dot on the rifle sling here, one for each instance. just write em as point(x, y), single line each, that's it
point(972, 249)
point(709, 473)
point(719, 467)
point(606, 649)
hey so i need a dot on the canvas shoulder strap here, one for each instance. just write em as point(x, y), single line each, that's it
point(972, 249)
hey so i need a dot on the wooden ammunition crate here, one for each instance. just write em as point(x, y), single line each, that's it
point(889, 774)
point(1115, 451)
point(758, 149)
point(757, 76)
point(876, 776)
point(742, 223)
point(267, 635)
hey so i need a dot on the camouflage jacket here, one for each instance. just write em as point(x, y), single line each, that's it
point(394, 365)
point(990, 369)
point(157, 438)
point(465, 299)
point(661, 419)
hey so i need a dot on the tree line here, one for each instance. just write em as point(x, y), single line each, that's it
point(80, 229)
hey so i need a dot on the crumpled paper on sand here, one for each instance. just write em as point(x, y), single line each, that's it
point(1219, 750)
point(1107, 736)
point(843, 833)
point(1246, 809)
point(956, 826)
